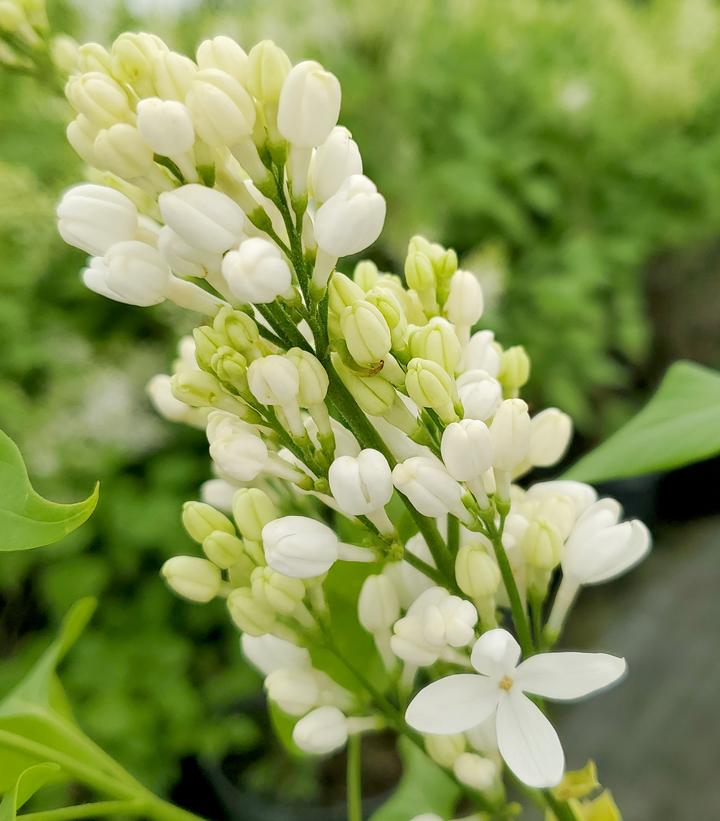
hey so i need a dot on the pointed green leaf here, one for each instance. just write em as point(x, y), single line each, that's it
point(679, 425)
point(26, 519)
point(26, 785)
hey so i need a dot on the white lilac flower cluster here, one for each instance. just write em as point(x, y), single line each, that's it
point(225, 185)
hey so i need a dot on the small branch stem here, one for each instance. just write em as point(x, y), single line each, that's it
point(354, 778)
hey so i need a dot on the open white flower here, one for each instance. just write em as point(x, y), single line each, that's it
point(526, 740)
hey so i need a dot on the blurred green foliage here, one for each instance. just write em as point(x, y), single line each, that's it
point(559, 146)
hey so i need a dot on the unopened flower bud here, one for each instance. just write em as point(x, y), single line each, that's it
point(294, 691)
point(476, 573)
point(514, 368)
point(482, 353)
point(223, 549)
point(542, 545)
point(183, 258)
point(252, 510)
point(464, 305)
point(429, 487)
point(250, 615)
point(419, 271)
point(274, 380)
point(95, 217)
point(121, 150)
point(137, 273)
point(225, 54)
point(133, 59)
point(267, 68)
point(257, 272)
point(172, 74)
point(230, 367)
point(334, 161)
point(322, 731)
point(366, 274)
point(204, 218)
point(201, 520)
point(242, 456)
point(374, 394)
point(204, 390)
point(268, 653)
point(166, 126)
point(475, 771)
point(444, 749)
point(207, 343)
point(438, 342)
point(378, 604)
point(314, 380)
point(93, 57)
point(361, 484)
point(192, 578)
point(12, 17)
point(342, 292)
point(299, 547)
point(351, 219)
point(309, 104)
point(281, 593)
point(550, 433)
point(81, 134)
point(479, 394)
point(100, 98)
point(238, 328)
point(429, 385)
point(510, 432)
point(366, 333)
point(222, 110)
point(467, 449)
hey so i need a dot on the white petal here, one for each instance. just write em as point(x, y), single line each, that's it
point(602, 514)
point(566, 676)
point(495, 653)
point(528, 741)
point(621, 556)
point(453, 704)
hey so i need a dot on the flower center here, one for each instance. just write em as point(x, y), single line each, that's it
point(506, 683)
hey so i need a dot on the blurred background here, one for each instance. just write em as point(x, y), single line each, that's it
point(570, 152)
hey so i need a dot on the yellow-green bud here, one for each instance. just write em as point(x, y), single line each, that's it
point(192, 578)
point(207, 342)
point(201, 520)
point(64, 51)
point(374, 394)
point(238, 328)
point(342, 291)
point(389, 306)
point(12, 18)
point(280, 593)
point(602, 808)
point(252, 510)
point(409, 300)
point(223, 549)
point(437, 341)
point(313, 377)
point(231, 368)
point(577, 783)
point(419, 272)
point(444, 749)
point(514, 368)
point(121, 150)
point(476, 573)
point(541, 545)
point(133, 60)
point(430, 386)
point(267, 68)
point(239, 574)
point(366, 274)
point(366, 333)
point(251, 616)
point(93, 57)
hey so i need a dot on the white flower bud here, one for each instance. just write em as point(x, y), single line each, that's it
point(299, 547)
point(121, 150)
point(204, 218)
point(274, 380)
point(365, 332)
point(250, 615)
point(137, 273)
point(218, 493)
point(334, 161)
point(241, 457)
point(378, 604)
point(159, 391)
point(313, 377)
point(541, 545)
point(550, 434)
point(222, 110)
point(580, 494)
point(467, 449)
point(166, 126)
point(94, 217)
point(225, 54)
point(430, 386)
point(482, 353)
point(81, 134)
point(477, 575)
point(374, 394)
point(257, 272)
point(192, 578)
point(294, 691)
point(510, 432)
point(464, 305)
point(183, 258)
point(267, 68)
point(200, 520)
point(361, 484)
point(99, 98)
point(269, 653)
point(173, 73)
point(133, 58)
point(281, 593)
point(475, 771)
point(322, 731)
point(309, 104)
point(252, 510)
point(351, 219)
point(480, 394)
point(438, 342)
point(223, 549)
point(444, 749)
point(93, 57)
point(429, 487)
point(450, 620)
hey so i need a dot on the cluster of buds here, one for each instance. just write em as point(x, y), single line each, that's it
point(332, 398)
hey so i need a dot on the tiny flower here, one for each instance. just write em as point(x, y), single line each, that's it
point(322, 731)
point(257, 272)
point(267, 68)
point(137, 273)
point(313, 377)
point(100, 98)
point(444, 749)
point(526, 739)
point(476, 573)
point(183, 258)
point(159, 391)
point(250, 615)
point(334, 161)
point(223, 549)
point(200, 520)
point(430, 386)
point(378, 604)
point(173, 74)
point(252, 509)
point(351, 219)
point(204, 218)
point(241, 456)
point(361, 484)
point(166, 126)
point(510, 432)
point(281, 593)
point(581, 495)
point(269, 653)
point(467, 449)
point(132, 59)
point(365, 332)
point(295, 691)
point(94, 217)
point(223, 112)
point(480, 394)
point(514, 368)
point(225, 54)
point(121, 150)
point(274, 380)
point(482, 353)
point(464, 305)
point(193, 578)
point(429, 487)
point(550, 433)
point(309, 104)
point(438, 342)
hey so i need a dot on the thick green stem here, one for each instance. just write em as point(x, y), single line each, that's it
point(354, 778)
point(560, 809)
point(453, 534)
point(94, 810)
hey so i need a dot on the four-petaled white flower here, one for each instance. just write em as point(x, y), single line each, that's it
point(526, 740)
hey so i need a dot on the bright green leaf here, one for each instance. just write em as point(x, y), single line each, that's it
point(679, 425)
point(423, 788)
point(26, 519)
point(26, 785)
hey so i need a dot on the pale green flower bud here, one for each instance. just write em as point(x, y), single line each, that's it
point(280, 593)
point(309, 104)
point(476, 573)
point(239, 574)
point(437, 341)
point(514, 368)
point(225, 54)
point(419, 272)
point(389, 306)
point(238, 328)
point(366, 274)
point(203, 390)
point(12, 18)
point(173, 74)
point(133, 59)
point(122, 150)
point(476, 771)
point(230, 367)
point(201, 520)
point(250, 615)
point(81, 135)
point(223, 549)
point(342, 292)
point(430, 386)
point(267, 68)
point(542, 545)
point(374, 394)
point(366, 333)
point(444, 749)
point(192, 578)
point(64, 51)
point(578, 784)
point(252, 510)
point(313, 377)
point(100, 98)
point(207, 343)
point(93, 57)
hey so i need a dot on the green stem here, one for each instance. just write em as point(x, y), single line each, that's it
point(94, 810)
point(561, 810)
point(536, 615)
point(354, 778)
point(453, 534)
